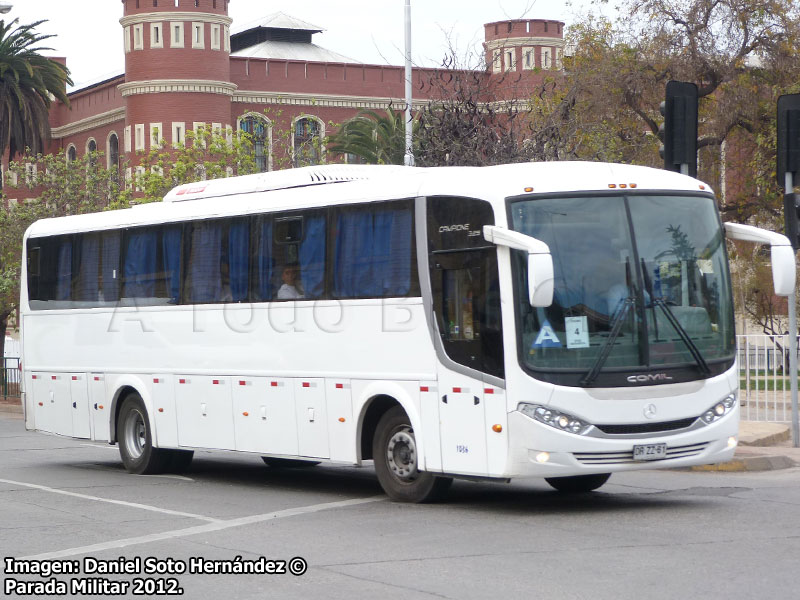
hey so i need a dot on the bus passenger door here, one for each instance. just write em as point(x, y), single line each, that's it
point(466, 319)
point(79, 395)
point(456, 286)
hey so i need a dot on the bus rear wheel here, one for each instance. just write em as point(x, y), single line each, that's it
point(394, 451)
point(136, 440)
point(578, 484)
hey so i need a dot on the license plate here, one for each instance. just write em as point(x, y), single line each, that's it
point(650, 452)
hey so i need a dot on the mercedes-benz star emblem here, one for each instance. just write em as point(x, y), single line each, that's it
point(650, 411)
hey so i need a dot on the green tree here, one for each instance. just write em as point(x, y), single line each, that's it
point(206, 155)
point(376, 138)
point(28, 82)
point(61, 187)
point(740, 53)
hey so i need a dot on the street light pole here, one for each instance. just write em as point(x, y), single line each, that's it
point(409, 156)
point(5, 7)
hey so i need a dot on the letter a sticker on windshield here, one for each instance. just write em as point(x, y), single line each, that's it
point(547, 338)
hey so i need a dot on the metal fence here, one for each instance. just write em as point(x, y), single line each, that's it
point(9, 378)
point(764, 388)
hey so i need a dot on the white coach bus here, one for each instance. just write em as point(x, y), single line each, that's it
point(561, 320)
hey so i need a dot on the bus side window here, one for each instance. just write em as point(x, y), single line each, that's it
point(299, 245)
point(373, 254)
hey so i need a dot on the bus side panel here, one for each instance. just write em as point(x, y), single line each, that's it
point(205, 412)
point(341, 424)
point(312, 417)
point(100, 408)
point(164, 413)
point(79, 394)
point(429, 411)
point(496, 441)
point(264, 415)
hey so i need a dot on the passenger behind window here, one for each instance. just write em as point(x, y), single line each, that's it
point(291, 289)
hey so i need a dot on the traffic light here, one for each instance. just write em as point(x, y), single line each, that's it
point(788, 137)
point(679, 130)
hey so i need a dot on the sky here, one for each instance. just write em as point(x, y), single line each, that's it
point(88, 32)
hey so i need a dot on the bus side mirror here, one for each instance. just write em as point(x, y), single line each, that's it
point(540, 261)
point(784, 272)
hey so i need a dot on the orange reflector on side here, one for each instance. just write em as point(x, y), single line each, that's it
point(246, 414)
point(497, 428)
point(341, 419)
point(160, 410)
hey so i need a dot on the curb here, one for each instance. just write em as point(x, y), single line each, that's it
point(10, 409)
point(749, 463)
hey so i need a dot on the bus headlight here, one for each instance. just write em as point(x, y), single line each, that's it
point(720, 409)
point(560, 420)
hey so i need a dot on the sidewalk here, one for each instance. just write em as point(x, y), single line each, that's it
point(762, 446)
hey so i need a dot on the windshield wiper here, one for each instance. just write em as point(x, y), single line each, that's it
point(608, 345)
point(622, 310)
point(693, 349)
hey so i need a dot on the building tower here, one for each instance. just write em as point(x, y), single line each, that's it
point(524, 46)
point(177, 70)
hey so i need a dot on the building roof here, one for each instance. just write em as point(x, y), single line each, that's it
point(292, 51)
point(278, 20)
point(284, 37)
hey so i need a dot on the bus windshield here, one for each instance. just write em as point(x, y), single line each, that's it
point(641, 283)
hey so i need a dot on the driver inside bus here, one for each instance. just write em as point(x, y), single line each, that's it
point(292, 288)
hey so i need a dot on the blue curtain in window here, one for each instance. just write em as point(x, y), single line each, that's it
point(89, 269)
point(64, 272)
point(373, 253)
point(264, 287)
point(111, 244)
point(171, 249)
point(239, 259)
point(205, 276)
point(139, 269)
point(312, 257)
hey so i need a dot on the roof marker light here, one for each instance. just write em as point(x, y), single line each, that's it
point(633, 185)
point(612, 185)
point(623, 185)
point(702, 187)
point(528, 189)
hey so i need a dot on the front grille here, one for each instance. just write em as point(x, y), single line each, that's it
point(647, 427)
point(626, 456)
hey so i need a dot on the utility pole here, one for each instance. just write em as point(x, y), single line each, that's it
point(409, 156)
point(788, 154)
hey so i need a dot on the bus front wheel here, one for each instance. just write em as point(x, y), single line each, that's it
point(136, 440)
point(578, 483)
point(394, 451)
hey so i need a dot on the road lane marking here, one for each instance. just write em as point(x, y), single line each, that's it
point(198, 529)
point(165, 511)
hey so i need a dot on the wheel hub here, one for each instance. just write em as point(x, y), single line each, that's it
point(401, 453)
point(135, 434)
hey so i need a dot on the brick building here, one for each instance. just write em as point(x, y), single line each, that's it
point(187, 64)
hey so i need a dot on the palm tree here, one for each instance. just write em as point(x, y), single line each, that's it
point(375, 138)
point(28, 84)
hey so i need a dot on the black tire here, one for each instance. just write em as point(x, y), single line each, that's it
point(136, 440)
point(394, 451)
point(179, 461)
point(289, 463)
point(578, 484)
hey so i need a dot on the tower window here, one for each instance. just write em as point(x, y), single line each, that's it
point(198, 39)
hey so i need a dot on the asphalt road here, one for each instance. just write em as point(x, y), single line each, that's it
point(645, 535)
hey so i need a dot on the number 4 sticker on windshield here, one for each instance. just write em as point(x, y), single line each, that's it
point(577, 332)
